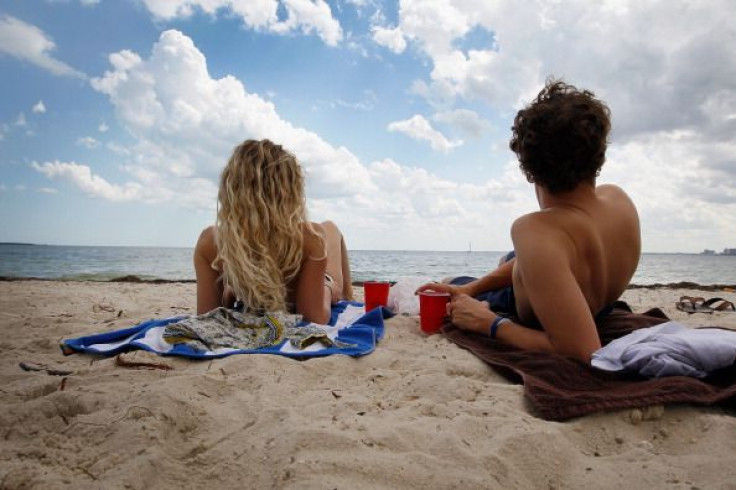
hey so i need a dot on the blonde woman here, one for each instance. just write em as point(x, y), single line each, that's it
point(262, 250)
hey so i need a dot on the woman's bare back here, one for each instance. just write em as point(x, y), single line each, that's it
point(309, 293)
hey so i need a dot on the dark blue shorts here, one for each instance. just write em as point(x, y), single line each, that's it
point(502, 301)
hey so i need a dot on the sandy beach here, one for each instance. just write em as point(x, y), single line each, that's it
point(419, 412)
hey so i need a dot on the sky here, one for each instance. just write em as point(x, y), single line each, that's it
point(117, 116)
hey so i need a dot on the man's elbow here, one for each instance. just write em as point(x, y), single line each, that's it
point(584, 356)
point(581, 353)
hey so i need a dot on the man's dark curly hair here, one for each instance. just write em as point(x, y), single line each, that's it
point(561, 137)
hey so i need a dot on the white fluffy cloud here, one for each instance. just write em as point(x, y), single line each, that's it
point(464, 120)
point(186, 130)
point(29, 43)
point(667, 69)
point(418, 128)
point(684, 205)
point(94, 185)
point(393, 39)
point(661, 65)
point(39, 108)
point(677, 56)
point(88, 142)
point(417, 209)
point(184, 134)
point(307, 16)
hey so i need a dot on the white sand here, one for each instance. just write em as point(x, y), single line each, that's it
point(417, 413)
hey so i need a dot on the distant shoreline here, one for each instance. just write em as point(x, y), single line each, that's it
point(128, 278)
point(138, 280)
point(18, 243)
point(25, 244)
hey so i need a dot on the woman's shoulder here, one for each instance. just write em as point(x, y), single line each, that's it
point(321, 229)
point(314, 238)
point(312, 229)
point(206, 244)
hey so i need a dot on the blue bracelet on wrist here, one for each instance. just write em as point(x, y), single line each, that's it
point(494, 326)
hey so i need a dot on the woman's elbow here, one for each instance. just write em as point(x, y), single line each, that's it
point(320, 318)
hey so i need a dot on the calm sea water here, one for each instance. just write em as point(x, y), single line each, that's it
point(104, 263)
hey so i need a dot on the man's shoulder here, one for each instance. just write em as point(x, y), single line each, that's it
point(611, 191)
point(523, 222)
point(616, 200)
point(536, 220)
point(539, 240)
point(538, 225)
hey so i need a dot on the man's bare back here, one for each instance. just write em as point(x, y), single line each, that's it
point(592, 231)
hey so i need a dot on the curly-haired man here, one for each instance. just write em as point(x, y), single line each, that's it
point(576, 255)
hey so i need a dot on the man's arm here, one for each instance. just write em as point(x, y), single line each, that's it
point(498, 278)
point(471, 314)
point(544, 265)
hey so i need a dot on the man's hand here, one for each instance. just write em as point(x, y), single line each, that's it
point(470, 314)
point(441, 287)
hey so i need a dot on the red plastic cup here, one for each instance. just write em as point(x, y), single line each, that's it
point(376, 294)
point(432, 310)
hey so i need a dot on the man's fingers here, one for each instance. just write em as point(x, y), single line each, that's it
point(434, 286)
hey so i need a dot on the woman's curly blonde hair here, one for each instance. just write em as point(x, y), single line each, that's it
point(261, 221)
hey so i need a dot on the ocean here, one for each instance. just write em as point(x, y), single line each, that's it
point(105, 263)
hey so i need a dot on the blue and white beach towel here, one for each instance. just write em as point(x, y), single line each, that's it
point(351, 331)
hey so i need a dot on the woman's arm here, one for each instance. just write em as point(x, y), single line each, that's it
point(209, 285)
point(313, 296)
point(347, 280)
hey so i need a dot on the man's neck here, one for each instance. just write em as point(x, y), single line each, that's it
point(583, 193)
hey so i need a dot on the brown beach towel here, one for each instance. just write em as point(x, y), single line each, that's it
point(560, 388)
